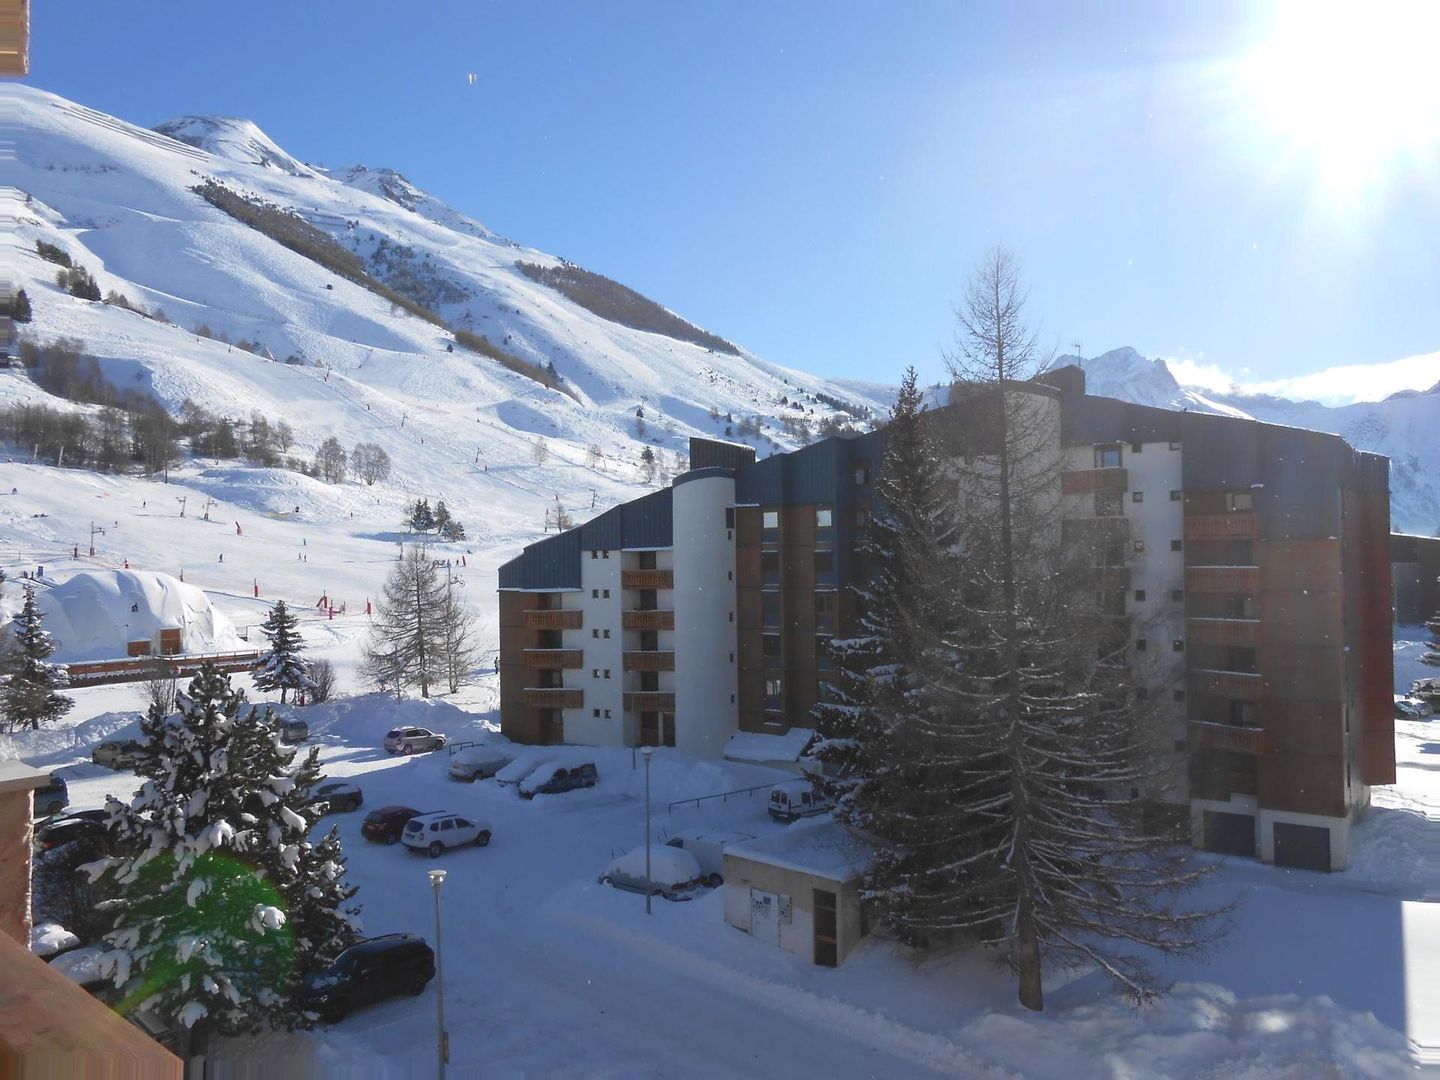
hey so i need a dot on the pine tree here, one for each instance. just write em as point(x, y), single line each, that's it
point(215, 873)
point(407, 638)
point(31, 694)
point(281, 667)
point(323, 922)
point(441, 516)
point(21, 310)
point(422, 520)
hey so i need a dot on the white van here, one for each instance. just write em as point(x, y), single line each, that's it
point(796, 799)
point(709, 851)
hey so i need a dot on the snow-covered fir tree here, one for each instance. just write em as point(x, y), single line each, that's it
point(441, 517)
point(217, 917)
point(30, 695)
point(281, 667)
point(422, 518)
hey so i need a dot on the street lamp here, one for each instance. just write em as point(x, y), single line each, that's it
point(646, 752)
point(442, 1041)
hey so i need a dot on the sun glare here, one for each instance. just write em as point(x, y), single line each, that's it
point(1350, 91)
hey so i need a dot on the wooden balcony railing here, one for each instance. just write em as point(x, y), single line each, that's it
point(1245, 632)
point(555, 619)
point(1091, 481)
point(1222, 579)
point(1238, 740)
point(647, 620)
point(1239, 525)
point(554, 659)
point(649, 660)
point(647, 579)
point(554, 697)
point(650, 700)
point(1227, 684)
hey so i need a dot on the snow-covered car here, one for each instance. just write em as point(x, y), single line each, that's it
point(796, 799)
point(408, 740)
point(514, 774)
point(53, 797)
point(68, 828)
point(433, 833)
point(335, 797)
point(708, 849)
point(1426, 690)
point(549, 781)
point(384, 826)
point(367, 972)
point(674, 874)
point(117, 753)
point(477, 763)
point(1408, 708)
point(294, 731)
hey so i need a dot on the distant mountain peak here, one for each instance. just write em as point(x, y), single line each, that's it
point(235, 139)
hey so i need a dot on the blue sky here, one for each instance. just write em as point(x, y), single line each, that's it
point(816, 180)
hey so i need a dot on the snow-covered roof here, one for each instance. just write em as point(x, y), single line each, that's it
point(755, 746)
point(90, 616)
point(823, 848)
point(16, 775)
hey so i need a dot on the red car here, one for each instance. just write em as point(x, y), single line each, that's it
point(385, 825)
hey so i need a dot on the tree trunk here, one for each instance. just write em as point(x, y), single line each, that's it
point(1027, 957)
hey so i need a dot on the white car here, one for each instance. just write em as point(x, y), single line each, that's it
point(708, 849)
point(674, 874)
point(476, 763)
point(433, 833)
point(514, 774)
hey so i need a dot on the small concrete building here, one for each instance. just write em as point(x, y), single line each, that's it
point(799, 889)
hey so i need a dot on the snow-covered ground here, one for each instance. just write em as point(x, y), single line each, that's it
point(549, 973)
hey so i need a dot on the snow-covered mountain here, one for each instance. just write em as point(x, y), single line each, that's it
point(1405, 427)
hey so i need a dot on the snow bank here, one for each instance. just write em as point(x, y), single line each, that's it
point(48, 938)
point(93, 614)
point(364, 720)
point(760, 748)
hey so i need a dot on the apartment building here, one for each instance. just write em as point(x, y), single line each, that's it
point(1248, 564)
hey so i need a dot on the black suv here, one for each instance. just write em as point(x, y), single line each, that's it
point(368, 972)
point(385, 825)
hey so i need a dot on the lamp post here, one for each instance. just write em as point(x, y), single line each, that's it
point(646, 752)
point(442, 1041)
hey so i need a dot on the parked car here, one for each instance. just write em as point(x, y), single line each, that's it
point(514, 774)
point(117, 753)
point(335, 797)
point(553, 781)
point(674, 874)
point(385, 825)
point(1408, 708)
point(66, 829)
point(796, 799)
point(433, 833)
point(477, 763)
point(367, 972)
point(1426, 690)
point(709, 851)
point(53, 797)
point(294, 731)
point(407, 740)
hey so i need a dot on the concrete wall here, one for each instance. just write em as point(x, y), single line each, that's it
point(600, 599)
point(742, 875)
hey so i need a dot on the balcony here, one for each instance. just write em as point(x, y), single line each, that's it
point(1239, 525)
point(1243, 632)
point(1236, 740)
point(554, 697)
point(649, 660)
point(554, 659)
point(1222, 579)
point(647, 620)
point(647, 579)
point(1226, 684)
point(650, 700)
point(1094, 481)
point(554, 619)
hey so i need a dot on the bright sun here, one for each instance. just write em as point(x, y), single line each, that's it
point(1350, 91)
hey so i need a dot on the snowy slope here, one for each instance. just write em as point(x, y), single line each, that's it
point(1405, 427)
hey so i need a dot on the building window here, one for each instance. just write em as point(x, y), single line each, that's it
point(732, 616)
point(770, 519)
point(605, 554)
point(607, 714)
point(1137, 496)
point(1179, 695)
point(774, 687)
point(1136, 447)
point(605, 594)
point(607, 672)
point(732, 658)
point(770, 646)
point(862, 475)
point(594, 633)
point(1176, 545)
point(1108, 504)
point(1174, 445)
point(1177, 595)
point(1139, 546)
point(1239, 500)
point(824, 562)
point(729, 517)
point(1139, 595)
point(824, 611)
point(1141, 644)
point(1178, 645)
point(1107, 457)
point(1177, 496)
point(595, 673)
point(862, 517)
point(607, 634)
point(729, 575)
point(593, 556)
point(595, 713)
point(594, 594)
point(823, 517)
point(1242, 713)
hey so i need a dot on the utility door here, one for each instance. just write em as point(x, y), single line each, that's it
point(827, 937)
point(765, 915)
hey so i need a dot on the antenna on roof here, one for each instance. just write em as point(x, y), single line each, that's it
point(1077, 346)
